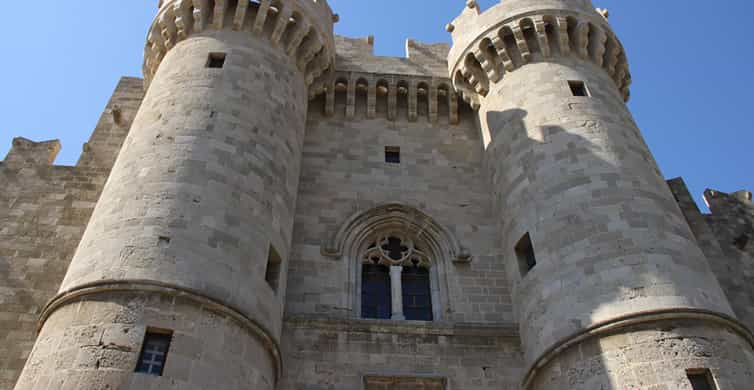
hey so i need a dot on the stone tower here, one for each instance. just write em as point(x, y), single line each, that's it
point(198, 210)
point(274, 207)
point(599, 256)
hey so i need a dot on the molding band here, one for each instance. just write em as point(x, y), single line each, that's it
point(630, 320)
point(507, 330)
point(150, 286)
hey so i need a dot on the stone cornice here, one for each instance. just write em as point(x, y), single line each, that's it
point(478, 60)
point(303, 29)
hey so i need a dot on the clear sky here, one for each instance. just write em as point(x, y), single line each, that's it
point(691, 61)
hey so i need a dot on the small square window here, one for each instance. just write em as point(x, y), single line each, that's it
point(578, 88)
point(272, 274)
point(154, 352)
point(701, 379)
point(216, 60)
point(392, 154)
point(525, 254)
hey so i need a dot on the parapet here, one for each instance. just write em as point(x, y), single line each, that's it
point(302, 28)
point(422, 59)
point(488, 44)
point(25, 152)
point(723, 203)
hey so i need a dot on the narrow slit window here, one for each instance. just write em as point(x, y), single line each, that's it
point(525, 254)
point(216, 60)
point(701, 379)
point(272, 274)
point(741, 242)
point(578, 88)
point(392, 155)
point(154, 352)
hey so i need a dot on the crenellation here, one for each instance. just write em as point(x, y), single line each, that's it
point(292, 211)
point(25, 152)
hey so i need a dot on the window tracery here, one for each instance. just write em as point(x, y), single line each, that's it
point(395, 250)
point(396, 280)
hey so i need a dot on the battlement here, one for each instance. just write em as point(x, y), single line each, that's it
point(302, 28)
point(716, 200)
point(502, 39)
point(421, 59)
point(25, 152)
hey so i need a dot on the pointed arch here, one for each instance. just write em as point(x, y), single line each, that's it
point(358, 233)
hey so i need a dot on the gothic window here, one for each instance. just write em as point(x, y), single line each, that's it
point(375, 292)
point(393, 266)
point(417, 296)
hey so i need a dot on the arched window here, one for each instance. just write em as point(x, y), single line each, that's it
point(395, 280)
point(399, 255)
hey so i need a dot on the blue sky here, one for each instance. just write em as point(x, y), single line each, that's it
point(691, 64)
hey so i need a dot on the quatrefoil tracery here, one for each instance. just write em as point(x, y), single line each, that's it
point(395, 250)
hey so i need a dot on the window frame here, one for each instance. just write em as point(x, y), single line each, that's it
point(393, 155)
point(702, 374)
point(436, 272)
point(216, 60)
point(165, 335)
point(579, 88)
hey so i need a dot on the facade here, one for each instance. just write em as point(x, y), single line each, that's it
point(275, 207)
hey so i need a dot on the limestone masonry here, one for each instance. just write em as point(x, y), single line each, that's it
point(275, 207)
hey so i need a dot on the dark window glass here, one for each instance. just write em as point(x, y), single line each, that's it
point(741, 241)
point(578, 88)
point(525, 254)
point(216, 60)
point(272, 274)
point(154, 353)
point(395, 248)
point(701, 380)
point(375, 292)
point(392, 154)
point(417, 295)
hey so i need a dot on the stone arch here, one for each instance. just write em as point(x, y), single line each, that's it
point(341, 95)
point(359, 231)
point(362, 97)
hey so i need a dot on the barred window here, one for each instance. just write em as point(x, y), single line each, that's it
point(154, 352)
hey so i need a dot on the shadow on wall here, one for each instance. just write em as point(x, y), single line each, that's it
point(608, 241)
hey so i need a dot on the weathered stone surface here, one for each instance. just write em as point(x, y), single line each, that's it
point(198, 171)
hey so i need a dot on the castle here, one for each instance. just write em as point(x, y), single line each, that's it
point(275, 207)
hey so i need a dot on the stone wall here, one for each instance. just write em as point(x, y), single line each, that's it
point(43, 212)
point(725, 236)
point(331, 354)
point(344, 173)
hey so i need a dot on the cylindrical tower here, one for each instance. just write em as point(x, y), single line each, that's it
point(179, 279)
point(610, 288)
